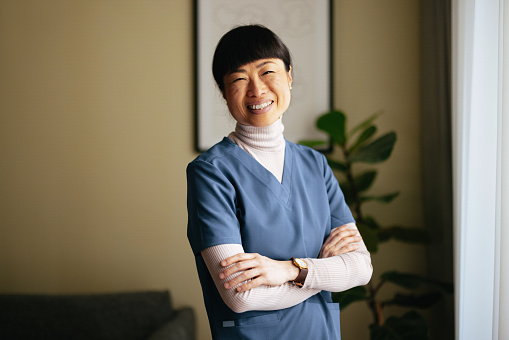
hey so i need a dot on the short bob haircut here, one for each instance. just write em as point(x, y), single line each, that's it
point(245, 44)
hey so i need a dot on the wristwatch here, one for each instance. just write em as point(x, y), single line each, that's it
point(303, 273)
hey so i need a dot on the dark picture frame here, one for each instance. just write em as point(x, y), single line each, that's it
point(306, 28)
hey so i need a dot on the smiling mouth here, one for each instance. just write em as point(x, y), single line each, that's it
point(260, 106)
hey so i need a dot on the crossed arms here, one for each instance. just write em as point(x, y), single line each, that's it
point(250, 281)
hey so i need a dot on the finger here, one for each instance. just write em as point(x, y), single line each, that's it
point(242, 278)
point(346, 240)
point(236, 267)
point(347, 249)
point(338, 251)
point(341, 228)
point(337, 232)
point(343, 238)
point(340, 234)
point(339, 248)
point(338, 243)
point(249, 285)
point(236, 258)
point(343, 232)
point(342, 243)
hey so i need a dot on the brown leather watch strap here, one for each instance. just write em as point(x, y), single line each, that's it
point(299, 281)
point(303, 271)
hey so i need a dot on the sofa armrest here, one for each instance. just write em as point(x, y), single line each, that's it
point(181, 327)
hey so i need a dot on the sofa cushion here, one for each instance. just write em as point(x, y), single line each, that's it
point(180, 327)
point(99, 316)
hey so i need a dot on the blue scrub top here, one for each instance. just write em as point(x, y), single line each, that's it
point(233, 199)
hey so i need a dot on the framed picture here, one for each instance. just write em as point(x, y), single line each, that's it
point(305, 26)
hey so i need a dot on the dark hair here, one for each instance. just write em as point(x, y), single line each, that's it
point(243, 45)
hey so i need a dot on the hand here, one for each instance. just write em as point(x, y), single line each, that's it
point(340, 241)
point(255, 270)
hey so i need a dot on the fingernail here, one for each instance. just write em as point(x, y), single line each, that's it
point(226, 285)
point(223, 263)
point(221, 276)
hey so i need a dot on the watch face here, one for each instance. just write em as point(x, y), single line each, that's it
point(301, 263)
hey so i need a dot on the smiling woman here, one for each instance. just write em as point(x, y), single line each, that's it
point(268, 224)
point(258, 93)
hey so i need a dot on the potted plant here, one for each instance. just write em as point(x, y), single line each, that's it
point(362, 145)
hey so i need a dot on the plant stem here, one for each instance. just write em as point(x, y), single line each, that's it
point(375, 305)
point(351, 182)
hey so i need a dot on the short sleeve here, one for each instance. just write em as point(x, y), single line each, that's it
point(340, 212)
point(211, 207)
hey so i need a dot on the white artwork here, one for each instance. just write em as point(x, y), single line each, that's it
point(303, 25)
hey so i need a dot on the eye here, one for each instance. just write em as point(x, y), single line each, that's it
point(267, 72)
point(237, 79)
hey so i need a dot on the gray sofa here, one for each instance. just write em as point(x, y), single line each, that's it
point(127, 316)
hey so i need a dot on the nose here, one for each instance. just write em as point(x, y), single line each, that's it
point(256, 88)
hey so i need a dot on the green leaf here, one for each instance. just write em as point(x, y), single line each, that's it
point(422, 301)
point(363, 181)
point(335, 165)
point(370, 222)
point(347, 192)
point(365, 135)
point(409, 235)
point(312, 143)
point(375, 152)
point(346, 297)
point(369, 236)
point(411, 326)
point(409, 281)
point(412, 281)
point(382, 199)
point(364, 124)
point(383, 237)
point(333, 123)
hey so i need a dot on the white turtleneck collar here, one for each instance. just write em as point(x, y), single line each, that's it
point(268, 138)
point(266, 144)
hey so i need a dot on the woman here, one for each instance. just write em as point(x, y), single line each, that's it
point(267, 221)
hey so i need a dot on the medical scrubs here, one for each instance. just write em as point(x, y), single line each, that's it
point(233, 199)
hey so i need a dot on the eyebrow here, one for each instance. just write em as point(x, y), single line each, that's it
point(241, 70)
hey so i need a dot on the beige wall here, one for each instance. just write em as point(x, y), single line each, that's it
point(377, 68)
point(96, 108)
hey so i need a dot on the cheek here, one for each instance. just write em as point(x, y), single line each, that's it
point(233, 97)
point(286, 95)
point(234, 103)
point(283, 88)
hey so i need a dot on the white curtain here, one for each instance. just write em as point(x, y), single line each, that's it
point(480, 106)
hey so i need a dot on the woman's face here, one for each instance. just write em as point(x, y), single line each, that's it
point(258, 93)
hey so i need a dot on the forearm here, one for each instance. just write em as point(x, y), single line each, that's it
point(259, 298)
point(341, 272)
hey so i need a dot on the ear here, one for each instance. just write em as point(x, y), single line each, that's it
point(290, 79)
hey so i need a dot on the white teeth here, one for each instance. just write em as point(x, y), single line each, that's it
point(259, 107)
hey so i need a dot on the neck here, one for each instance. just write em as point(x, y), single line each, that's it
point(266, 145)
point(268, 138)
